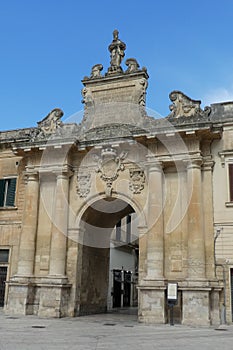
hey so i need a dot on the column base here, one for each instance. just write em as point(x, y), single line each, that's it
point(151, 308)
point(54, 294)
point(21, 295)
point(200, 302)
point(215, 309)
point(45, 297)
point(196, 307)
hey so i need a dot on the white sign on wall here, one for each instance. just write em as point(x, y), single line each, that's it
point(172, 291)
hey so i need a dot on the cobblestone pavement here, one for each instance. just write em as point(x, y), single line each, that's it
point(106, 332)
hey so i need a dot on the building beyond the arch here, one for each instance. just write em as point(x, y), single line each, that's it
point(65, 187)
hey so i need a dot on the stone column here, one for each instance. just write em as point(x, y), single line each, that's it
point(207, 169)
point(155, 237)
point(21, 287)
point(55, 290)
point(59, 227)
point(196, 295)
point(29, 227)
point(142, 263)
point(196, 243)
point(152, 287)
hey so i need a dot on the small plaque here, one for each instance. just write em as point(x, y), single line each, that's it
point(172, 291)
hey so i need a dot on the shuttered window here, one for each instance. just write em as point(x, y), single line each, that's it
point(7, 192)
point(231, 182)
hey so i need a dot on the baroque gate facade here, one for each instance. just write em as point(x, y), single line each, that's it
point(74, 182)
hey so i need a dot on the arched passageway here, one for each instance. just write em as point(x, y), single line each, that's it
point(97, 224)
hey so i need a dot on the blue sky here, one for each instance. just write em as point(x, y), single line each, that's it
point(48, 46)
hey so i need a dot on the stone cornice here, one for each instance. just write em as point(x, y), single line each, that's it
point(115, 78)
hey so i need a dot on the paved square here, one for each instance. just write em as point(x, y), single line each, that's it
point(106, 332)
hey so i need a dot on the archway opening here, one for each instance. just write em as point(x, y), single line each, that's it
point(98, 266)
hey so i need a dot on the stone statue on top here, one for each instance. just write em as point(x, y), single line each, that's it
point(117, 53)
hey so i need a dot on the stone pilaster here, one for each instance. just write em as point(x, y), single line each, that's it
point(59, 227)
point(196, 296)
point(142, 268)
point(152, 286)
point(21, 286)
point(196, 243)
point(207, 170)
point(54, 289)
point(155, 236)
point(29, 227)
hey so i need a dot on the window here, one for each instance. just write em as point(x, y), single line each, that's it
point(123, 230)
point(128, 229)
point(118, 231)
point(231, 181)
point(7, 192)
point(4, 258)
point(4, 255)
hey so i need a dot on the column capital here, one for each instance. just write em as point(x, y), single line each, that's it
point(30, 174)
point(142, 230)
point(153, 164)
point(63, 173)
point(193, 163)
point(208, 165)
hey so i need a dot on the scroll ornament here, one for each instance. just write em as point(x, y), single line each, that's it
point(184, 106)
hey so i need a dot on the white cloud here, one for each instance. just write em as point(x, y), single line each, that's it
point(218, 95)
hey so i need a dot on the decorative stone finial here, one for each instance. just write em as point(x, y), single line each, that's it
point(96, 71)
point(132, 65)
point(116, 48)
point(50, 124)
point(184, 106)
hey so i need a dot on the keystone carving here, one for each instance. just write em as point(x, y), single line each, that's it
point(137, 180)
point(84, 184)
point(109, 165)
point(184, 106)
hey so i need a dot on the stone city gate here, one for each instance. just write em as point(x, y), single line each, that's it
point(94, 234)
point(81, 179)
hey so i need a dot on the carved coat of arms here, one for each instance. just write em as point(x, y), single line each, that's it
point(109, 165)
point(137, 180)
point(83, 184)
